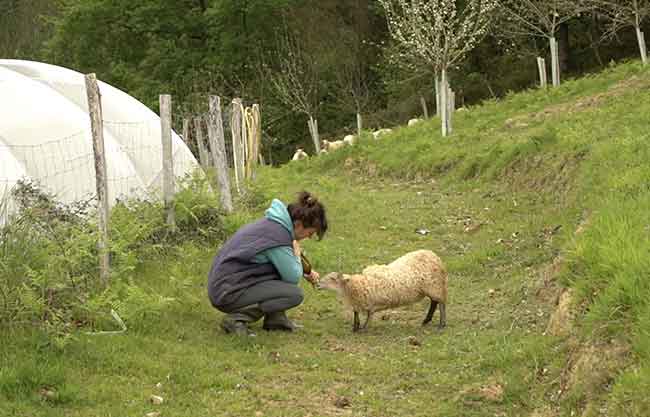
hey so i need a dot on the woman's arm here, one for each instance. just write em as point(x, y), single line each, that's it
point(285, 261)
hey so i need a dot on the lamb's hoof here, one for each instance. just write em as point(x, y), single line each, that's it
point(441, 327)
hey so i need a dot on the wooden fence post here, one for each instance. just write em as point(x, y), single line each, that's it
point(167, 158)
point(97, 129)
point(257, 120)
point(204, 156)
point(253, 127)
point(237, 151)
point(186, 131)
point(218, 149)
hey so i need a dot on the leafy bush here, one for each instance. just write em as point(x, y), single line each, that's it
point(48, 257)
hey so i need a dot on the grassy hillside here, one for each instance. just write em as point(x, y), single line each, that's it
point(538, 206)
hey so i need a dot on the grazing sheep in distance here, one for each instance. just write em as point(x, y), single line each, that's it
point(350, 139)
point(381, 132)
point(414, 121)
point(300, 154)
point(330, 146)
point(404, 281)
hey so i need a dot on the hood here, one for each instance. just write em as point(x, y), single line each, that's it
point(278, 213)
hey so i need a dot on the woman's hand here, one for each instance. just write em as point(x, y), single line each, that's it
point(313, 277)
point(296, 249)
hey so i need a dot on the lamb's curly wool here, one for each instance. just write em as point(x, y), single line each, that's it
point(404, 281)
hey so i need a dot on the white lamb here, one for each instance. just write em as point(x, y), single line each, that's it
point(300, 154)
point(381, 132)
point(330, 146)
point(414, 122)
point(404, 281)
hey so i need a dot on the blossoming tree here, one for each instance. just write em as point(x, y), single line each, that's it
point(438, 33)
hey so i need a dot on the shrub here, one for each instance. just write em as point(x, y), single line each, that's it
point(48, 257)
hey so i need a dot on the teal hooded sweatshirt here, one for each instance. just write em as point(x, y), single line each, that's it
point(282, 257)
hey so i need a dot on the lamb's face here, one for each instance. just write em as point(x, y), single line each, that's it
point(332, 281)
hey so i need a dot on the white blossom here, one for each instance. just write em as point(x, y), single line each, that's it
point(437, 32)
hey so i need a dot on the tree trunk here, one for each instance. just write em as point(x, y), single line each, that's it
point(593, 36)
point(359, 125)
point(437, 87)
point(642, 46)
point(443, 91)
point(312, 124)
point(541, 66)
point(564, 48)
point(555, 67)
point(425, 110)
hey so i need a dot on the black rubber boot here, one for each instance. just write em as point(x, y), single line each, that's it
point(237, 321)
point(279, 321)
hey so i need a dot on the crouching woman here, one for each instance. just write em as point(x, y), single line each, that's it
point(256, 272)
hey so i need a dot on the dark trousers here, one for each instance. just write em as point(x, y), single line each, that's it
point(271, 296)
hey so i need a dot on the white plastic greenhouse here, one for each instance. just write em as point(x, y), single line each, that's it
point(45, 137)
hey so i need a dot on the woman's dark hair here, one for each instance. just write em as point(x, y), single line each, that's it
point(310, 212)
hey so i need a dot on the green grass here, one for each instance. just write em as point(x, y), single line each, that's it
point(502, 202)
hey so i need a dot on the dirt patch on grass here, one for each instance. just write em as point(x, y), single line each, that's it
point(591, 371)
point(561, 321)
point(595, 365)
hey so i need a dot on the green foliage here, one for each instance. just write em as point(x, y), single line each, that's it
point(49, 258)
point(610, 264)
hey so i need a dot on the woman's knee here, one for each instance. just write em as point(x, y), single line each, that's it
point(297, 296)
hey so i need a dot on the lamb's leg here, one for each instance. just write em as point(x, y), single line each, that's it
point(356, 323)
point(443, 316)
point(432, 309)
point(365, 325)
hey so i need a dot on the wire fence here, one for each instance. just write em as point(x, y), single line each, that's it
point(65, 167)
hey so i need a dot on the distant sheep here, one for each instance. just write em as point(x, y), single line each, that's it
point(330, 146)
point(300, 154)
point(404, 281)
point(381, 132)
point(350, 139)
point(414, 121)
